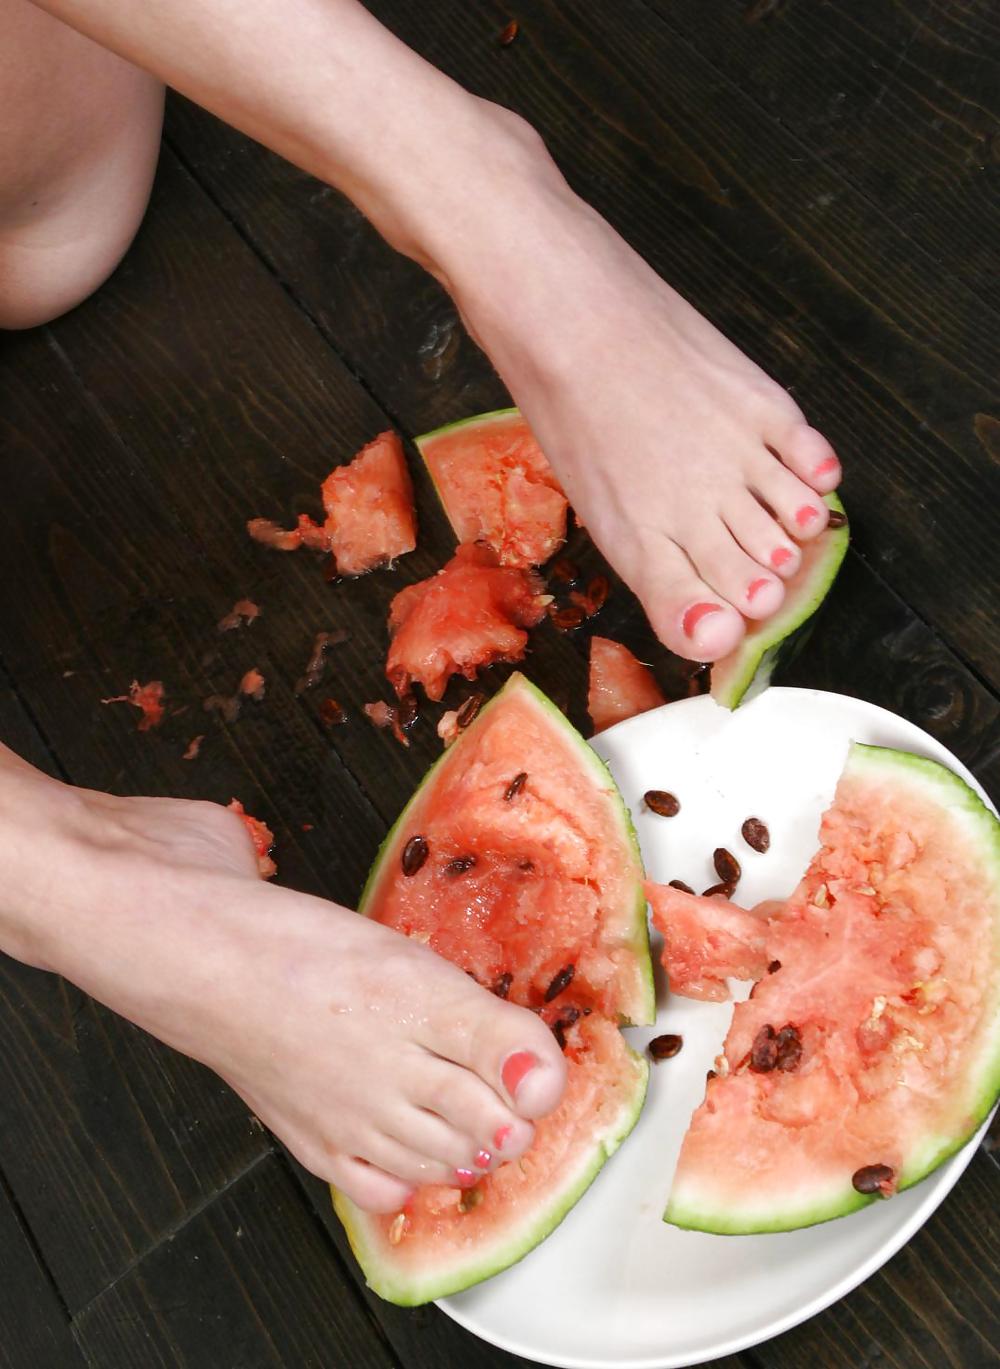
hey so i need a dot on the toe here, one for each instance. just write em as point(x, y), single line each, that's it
point(807, 454)
point(470, 1110)
point(688, 617)
point(799, 509)
point(505, 1045)
point(371, 1188)
point(737, 577)
point(760, 535)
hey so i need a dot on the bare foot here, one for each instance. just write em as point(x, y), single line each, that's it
point(380, 1065)
point(696, 474)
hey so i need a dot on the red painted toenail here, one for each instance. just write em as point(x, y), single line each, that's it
point(694, 615)
point(825, 467)
point(464, 1178)
point(780, 557)
point(756, 587)
point(501, 1137)
point(483, 1159)
point(806, 515)
point(515, 1067)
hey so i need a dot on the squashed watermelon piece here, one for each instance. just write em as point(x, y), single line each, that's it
point(497, 487)
point(555, 881)
point(871, 1051)
point(706, 941)
point(620, 686)
point(261, 836)
point(472, 613)
point(370, 519)
point(742, 674)
point(147, 698)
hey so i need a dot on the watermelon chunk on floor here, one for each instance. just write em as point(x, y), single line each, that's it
point(472, 613)
point(550, 877)
point(872, 1052)
point(497, 487)
point(620, 685)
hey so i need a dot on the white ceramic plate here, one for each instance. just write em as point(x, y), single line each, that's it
point(614, 1287)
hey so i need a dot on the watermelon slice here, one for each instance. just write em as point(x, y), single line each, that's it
point(707, 941)
point(871, 1051)
point(497, 487)
point(554, 880)
point(748, 670)
point(472, 613)
point(620, 685)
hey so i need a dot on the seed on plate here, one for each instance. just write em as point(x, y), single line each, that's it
point(515, 786)
point(756, 835)
point(873, 1179)
point(726, 890)
point(665, 1047)
point(415, 852)
point(560, 982)
point(502, 987)
point(727, 867)
point(459, 865)
point(788, 1045)
point(764, 1052)
point(679, 884)
point(660, 802)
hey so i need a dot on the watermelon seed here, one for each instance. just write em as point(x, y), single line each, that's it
point(774, 967)
point(406, 713)
point(508, 34)
point(679, 884)
point(469, 709)
point(569, 1016)
point(756, 835)
point(597, 592)
point(561, 981)
point(415, 852)
point(502, 987)
point(459, 865)
point(700, 681)
point(873, 1179)
point(764, 1052)
point(711, 1075)
point(564, 571)
point(660, 802)
point(836, 519)
point(727, 867)
point(515, 786)
point(665, 1047)
point(788, 1044)
point(725, 889)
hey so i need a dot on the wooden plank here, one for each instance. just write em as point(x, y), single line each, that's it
point(250, 1280)
point(34, 1324)
point(721, 199)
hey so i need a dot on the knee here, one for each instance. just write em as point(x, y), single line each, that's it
point(38, 283)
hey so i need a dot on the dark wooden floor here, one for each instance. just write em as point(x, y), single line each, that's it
point(821, 179)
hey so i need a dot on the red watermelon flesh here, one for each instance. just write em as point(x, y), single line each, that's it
point(472, 613)
point(707, 941)
point(620, 685)
point(875, 1041)
point(497, 487)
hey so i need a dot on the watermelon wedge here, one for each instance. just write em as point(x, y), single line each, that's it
point(551, 871)
point(496, 486)
point(870, 1051)
point(747, 670)
point(620, 686)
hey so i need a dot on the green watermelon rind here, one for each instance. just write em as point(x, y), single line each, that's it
point(644, 1011)
point(475, 421)
point(749, 668)
point(984, 1089)
point(411, 1292)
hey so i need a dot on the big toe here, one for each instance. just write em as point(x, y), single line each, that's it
point(688, 616)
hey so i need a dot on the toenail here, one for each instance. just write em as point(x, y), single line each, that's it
point(756, 587)
point(483, 1159)
point(806, 514)
point(501, 1136)
point(515, 1067)
point(694, 615)
point(825, 467)
point(780, 557)
point(464, 1178)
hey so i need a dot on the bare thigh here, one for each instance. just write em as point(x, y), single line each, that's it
point(79, 139)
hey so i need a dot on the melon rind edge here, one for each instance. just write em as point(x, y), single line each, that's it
point(473, 421)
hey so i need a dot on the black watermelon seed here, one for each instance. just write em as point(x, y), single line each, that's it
point(665, 1047)
point(756, 835)
point(415, 852)
point(727, 867)
point(459, 865)
point(726, 890)
point(515, 786)
point(789, 1048)
point(502, 987)
point(469, 709)
point(660, 802)
point(679, 884)
point(560, 982)
point(836, 519)
point(774, 967)
point(764, 1052)
point(873, 1178)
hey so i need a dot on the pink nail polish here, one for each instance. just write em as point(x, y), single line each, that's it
point(825, 467)
point(780, 557)
point(483, 1159)
point(755, 588)
point(805, 515)
point(464, 1178)
point(515, 1067)
point(694, 615)
point(501, 1136)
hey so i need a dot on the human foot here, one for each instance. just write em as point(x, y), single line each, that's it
point(380, 1065)
point(696, 475)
